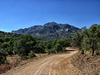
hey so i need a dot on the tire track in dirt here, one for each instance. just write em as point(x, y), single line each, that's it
point(58, 64)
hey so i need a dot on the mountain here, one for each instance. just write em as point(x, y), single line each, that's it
point(50, 30)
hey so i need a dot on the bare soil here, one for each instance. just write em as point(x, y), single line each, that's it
point(89, 65)
point(4, 68)
point(58, 64)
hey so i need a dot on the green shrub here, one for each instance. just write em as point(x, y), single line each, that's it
point(31, 55)
point(51, 51)
point(58, 48)
point(2, 60)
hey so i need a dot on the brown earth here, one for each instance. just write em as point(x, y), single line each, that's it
point(58, 64)
point(11, 62)
point(5, 68)
point(87, 64)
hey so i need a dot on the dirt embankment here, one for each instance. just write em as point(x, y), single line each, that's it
point(4, 68)
point(58, 64)
point(10, 63)
point(89, 65)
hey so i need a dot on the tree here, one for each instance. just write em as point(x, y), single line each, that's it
point(87, 39)
point(24, 45)
point(49, 46)
point(58, 48)
point(64, 42)
point(39, 48)
point(92, 37)
point(77, 39)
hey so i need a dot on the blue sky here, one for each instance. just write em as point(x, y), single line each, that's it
point(15, 14)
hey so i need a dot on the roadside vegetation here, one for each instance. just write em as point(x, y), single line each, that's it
point(87, 40)
point(26, 46)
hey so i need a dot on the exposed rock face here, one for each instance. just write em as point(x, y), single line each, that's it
point(50, 30)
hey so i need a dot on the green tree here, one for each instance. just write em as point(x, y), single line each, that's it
point(39, 48)
point(92, 38)
point(87, 39)
point(64, 42)
point(58, 48)
point(77, 39)
point(49, 46)
point(24, 45)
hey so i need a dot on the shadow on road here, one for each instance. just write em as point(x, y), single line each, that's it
point(70, 50)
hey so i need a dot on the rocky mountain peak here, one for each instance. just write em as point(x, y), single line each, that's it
point(50, 30)
point(50, 24)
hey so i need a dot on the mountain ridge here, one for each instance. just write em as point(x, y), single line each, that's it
point(50, 30)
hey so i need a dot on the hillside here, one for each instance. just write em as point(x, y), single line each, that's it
point(50, 30)
point(87, 64)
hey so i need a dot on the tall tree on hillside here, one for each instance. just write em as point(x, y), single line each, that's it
point(77, 39)
point(90, 39)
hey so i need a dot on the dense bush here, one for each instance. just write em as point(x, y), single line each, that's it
point(11, 44)
point(3, 55)
point(88, 39)
point(26, 46)
point(57, 46)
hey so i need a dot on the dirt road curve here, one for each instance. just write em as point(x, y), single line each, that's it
point(58, 64)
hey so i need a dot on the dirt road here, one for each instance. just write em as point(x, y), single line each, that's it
point(58, 64)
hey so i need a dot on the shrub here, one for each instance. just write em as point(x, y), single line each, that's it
point(51, 51)
point(2, 60)
point(31, 55)
point(58, 48)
